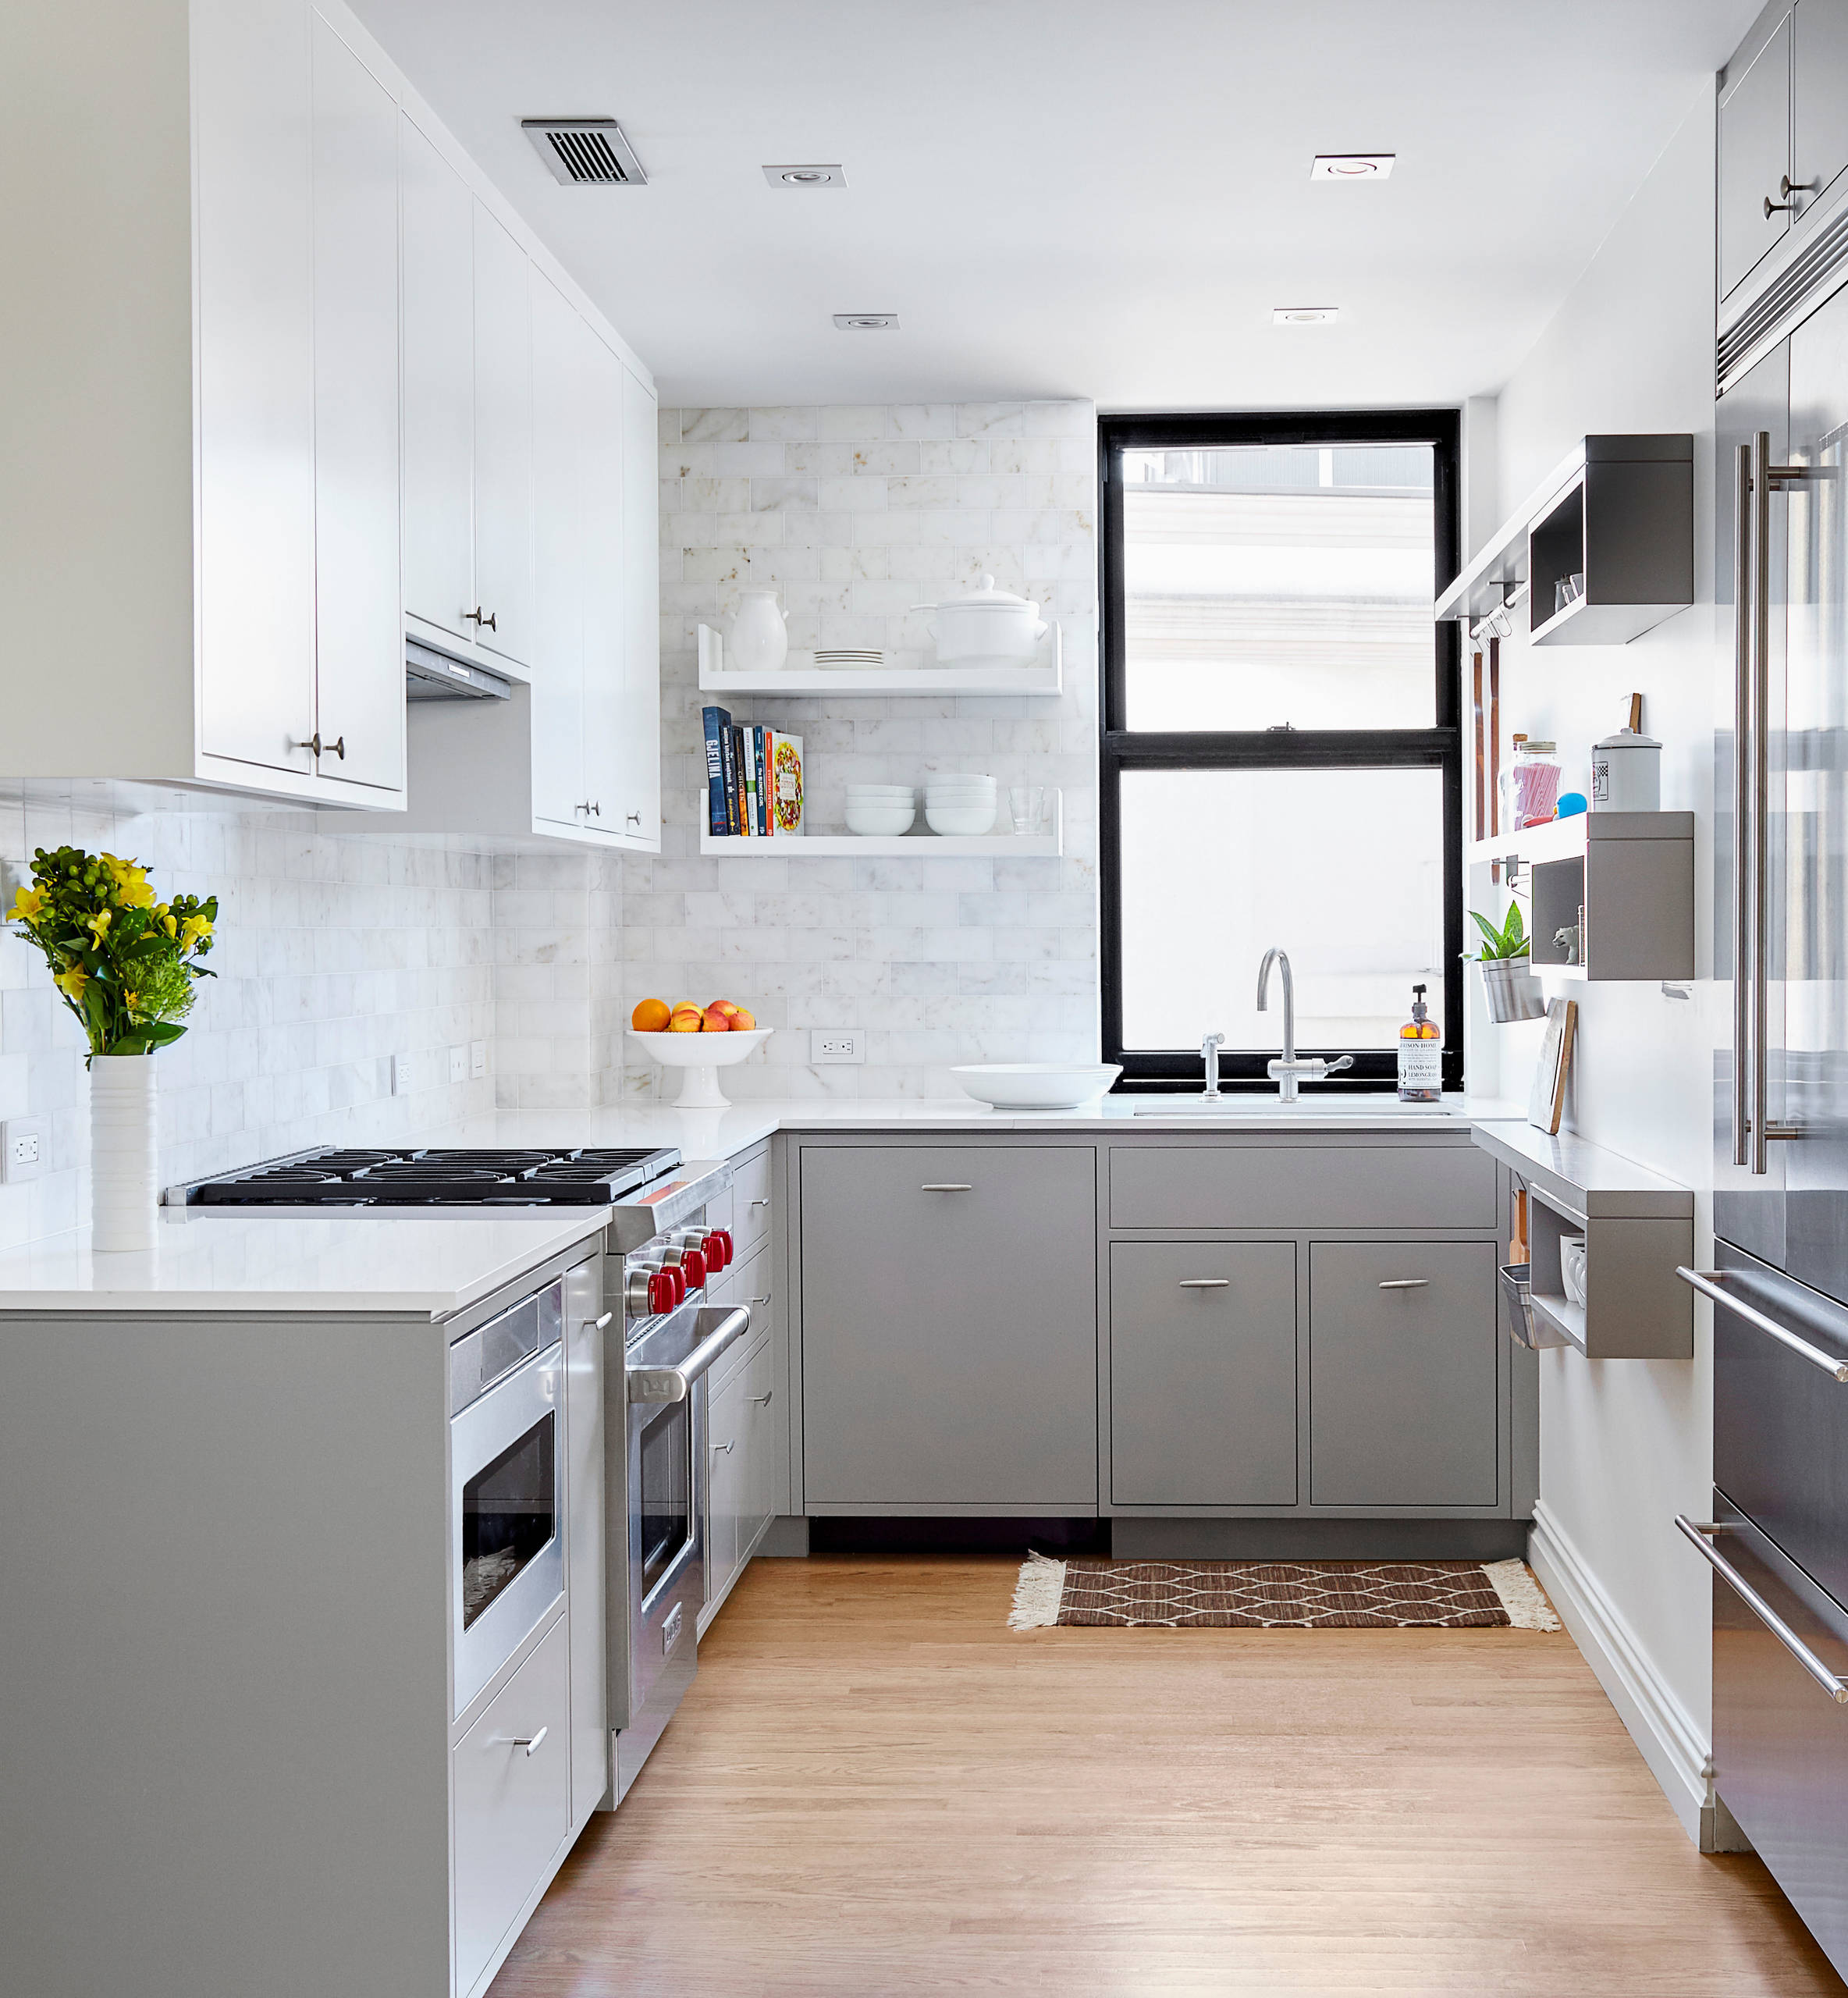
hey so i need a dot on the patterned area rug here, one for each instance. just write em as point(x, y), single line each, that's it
point(1310, 1595)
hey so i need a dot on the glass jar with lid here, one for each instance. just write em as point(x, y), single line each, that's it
point(1530, 784)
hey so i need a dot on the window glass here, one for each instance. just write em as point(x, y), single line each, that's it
point(1343, 868)
point(1275, 585)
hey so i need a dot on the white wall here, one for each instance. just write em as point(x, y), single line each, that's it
point(1626, 1443)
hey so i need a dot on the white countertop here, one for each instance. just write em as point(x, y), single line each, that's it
point(423, 1265)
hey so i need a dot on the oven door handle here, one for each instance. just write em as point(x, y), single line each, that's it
point(1698, 1532)
point(675, 1384)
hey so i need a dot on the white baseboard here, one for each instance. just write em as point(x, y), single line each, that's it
point(1665, 1732)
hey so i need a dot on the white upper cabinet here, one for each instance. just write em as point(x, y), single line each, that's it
point(503, 444)
point(1755, 156)
point(359, 654)
point(604, 499)
point(200, 531)
point(559, 340)
point(640, 735)
point(438, 236)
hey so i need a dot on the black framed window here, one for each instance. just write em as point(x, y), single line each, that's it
point(1282, 750)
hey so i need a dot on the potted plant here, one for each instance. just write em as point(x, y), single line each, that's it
point(126, 965)
point(1508, 980)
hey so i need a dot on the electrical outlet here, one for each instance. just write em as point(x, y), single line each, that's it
point(837, 1044)
point(404, 1075)
point(24, 1144)
point(478, 1060)
point(458, 1065)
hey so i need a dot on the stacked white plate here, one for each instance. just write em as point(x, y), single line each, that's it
point(960, 804)
point(880, 811)
point(849, 658)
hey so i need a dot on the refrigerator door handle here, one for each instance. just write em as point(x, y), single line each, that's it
point(1709, 1282)
point(1741, 737)
point(1698, 1531)
point(1760, 832)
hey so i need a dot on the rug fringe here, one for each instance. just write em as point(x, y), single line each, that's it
point(1037, 1594)
point(1528, 1609)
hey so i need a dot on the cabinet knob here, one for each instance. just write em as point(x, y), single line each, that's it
point(529, 1742)
point(762, 1401)
point(634, 818)
point(337, 747)
point(725, 1447)
point(1778, 207)
point(586, 808)
point(479, 618)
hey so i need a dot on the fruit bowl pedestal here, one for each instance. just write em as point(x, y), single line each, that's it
point(701, 1055)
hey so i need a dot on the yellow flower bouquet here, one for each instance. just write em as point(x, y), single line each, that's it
point(124, 963)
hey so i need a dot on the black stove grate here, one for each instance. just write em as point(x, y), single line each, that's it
point(423, 1176)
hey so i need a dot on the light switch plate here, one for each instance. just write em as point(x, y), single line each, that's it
point(24, 1142)
point(404, 1075)
point(837, 1044)
point(478, 1060)
point(458, 1065)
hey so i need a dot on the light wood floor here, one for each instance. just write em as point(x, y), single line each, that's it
point(876, 1787)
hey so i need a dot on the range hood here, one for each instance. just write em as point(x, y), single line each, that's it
point(430, 675)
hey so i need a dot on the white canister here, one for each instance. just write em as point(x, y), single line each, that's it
point(1626, 773)
point(124, 1186)
point(760, 635)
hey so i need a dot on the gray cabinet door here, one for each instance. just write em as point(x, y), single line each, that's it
point(949, 1327)
point(1819, 93)
point(1754, 142)
point(1202, 1372)
point(1403, 1353)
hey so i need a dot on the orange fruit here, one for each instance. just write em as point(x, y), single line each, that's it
point(651, 1016)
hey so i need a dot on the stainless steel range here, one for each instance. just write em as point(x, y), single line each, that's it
point(659, 1255)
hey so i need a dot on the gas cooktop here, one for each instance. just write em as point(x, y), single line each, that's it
point(539, 1177)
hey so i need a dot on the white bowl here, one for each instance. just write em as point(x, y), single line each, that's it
point(959, 777)
point(1037, 1085)
point(960, 821)
point(961, 790)
point(702, 1055)
point(880, 822)
point(961, 800)
point(1571, 1268)
point(859, 793)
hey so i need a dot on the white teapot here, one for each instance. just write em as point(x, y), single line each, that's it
point(759, 633)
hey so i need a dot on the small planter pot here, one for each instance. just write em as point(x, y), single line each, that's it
point(124, 1183)
point(1512, 989)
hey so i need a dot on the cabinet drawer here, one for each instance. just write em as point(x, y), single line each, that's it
point(1403, 1384)
point(1202, 1345)
point(1242, 1184)
point(750, 1202)
point(748, 1282)
point(512, 1807)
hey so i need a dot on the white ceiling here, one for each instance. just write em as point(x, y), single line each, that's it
point(1076, 197)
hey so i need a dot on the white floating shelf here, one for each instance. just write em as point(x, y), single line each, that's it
point(920, 843)
point(800, 677)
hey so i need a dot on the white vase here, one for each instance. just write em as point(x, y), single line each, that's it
point(124, 1186)
point(759, 637)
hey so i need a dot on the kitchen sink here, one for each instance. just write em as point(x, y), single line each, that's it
point(1390, 1110)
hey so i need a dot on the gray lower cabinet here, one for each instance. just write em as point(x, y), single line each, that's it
point(1404, 1350)
point(1203, 1365)
point(949, 1335)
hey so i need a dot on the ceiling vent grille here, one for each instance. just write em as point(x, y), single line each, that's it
point(585, 152)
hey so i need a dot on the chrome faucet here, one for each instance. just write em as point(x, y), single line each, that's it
point(1210, 1049)
point(1287, 1071)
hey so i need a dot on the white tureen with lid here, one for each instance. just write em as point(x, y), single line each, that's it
point(988, 628)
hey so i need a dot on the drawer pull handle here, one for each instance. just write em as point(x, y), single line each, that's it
point(757, 1300)
point(1707, 1283)
point(1406, 1283)
point(597, 1324)
point(762, 1401)
point(947, 1186)
point(1697, 1531)
point(760, 1204)
point(725, 1447)
point(529, 1742)
point(1205, 1283)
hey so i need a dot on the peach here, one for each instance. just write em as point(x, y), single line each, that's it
point(651, 1016)
point(715, 1021)
point(741, 1022)
point(685, 1019)
point(724, 1006)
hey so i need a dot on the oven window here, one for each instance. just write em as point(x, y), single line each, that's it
point(666, 1490)
point(508, 1517)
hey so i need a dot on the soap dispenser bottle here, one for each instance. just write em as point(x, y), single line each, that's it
point(1420, 1054)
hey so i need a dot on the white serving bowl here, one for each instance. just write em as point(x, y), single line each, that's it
point(702, 1055)
point(960, 790)
point(961, 800)
point(960, 821)
point(1037, 1085)
point(880, 822)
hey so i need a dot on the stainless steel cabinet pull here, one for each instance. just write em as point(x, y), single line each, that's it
point(1406, 1283)
point(762, 1401)
point(634, 818)
point(597, 1324)
point(1778, 207)
point(1204, 1283)
point(1697, 1531)
point(725, 1447)
point(757, 1300)
point(760, 1204)
point(587, 808)
point(337, 747)
point(478, 618)
point(947, 1186)
point(1709, 1283)
point(529, 1742)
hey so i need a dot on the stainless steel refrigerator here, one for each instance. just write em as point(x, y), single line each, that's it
point(1777, 1539)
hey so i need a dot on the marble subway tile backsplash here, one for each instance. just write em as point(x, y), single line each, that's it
point(855, 514)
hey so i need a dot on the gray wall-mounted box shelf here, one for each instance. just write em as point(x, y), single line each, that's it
point(1638, 1227)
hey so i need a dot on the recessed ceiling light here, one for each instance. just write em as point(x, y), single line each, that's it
point(1351, 166)
point(1305, 315)
point(866, 322)
point(806, 176)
